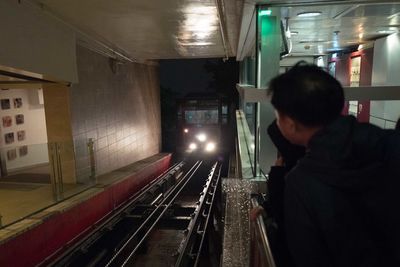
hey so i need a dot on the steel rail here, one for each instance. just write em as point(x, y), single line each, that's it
point(215, 187)
point(116, 259)
point(96, 233)
point(195, 225)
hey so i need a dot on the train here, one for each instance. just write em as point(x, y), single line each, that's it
point(204, 126)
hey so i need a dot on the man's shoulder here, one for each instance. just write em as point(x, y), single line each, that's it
point(300, 174)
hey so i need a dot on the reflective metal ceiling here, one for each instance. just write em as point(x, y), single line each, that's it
point(153, 29)
point(340, 26)
point(159, 29)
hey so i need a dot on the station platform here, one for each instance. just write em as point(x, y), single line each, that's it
point(43, 234)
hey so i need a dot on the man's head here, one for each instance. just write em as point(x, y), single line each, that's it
point(306, 98)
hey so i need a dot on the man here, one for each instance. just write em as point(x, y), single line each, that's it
point(342, 198)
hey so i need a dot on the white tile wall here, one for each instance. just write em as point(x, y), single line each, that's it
point(120, 111)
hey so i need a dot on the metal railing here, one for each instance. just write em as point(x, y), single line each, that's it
point(261, 254)
point(252, 244)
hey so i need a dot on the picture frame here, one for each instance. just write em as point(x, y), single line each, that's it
point(21, 135)
point(11, 154)
point(9, 138)
point(5, 103)
point(17, 102)
point(7, 121)
point(19, 119)
point(23, 151)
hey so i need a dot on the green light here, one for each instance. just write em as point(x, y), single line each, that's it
point(266, 12)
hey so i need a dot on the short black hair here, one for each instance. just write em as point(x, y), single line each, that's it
point(307, 94)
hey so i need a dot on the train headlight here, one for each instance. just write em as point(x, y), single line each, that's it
point(210, 147)
point(201, 137)
point(192, 146)
point(186, 130)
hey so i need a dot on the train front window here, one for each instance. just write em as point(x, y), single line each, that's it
point(209, 116)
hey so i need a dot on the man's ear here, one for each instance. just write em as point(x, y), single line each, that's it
point(291, 124)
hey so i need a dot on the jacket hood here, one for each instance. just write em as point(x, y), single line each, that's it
point(347, 153)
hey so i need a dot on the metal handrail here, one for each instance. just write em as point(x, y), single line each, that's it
point(262, 245)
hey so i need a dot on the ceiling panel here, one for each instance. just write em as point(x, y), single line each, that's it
point(377, 10)
point(151, 29)
point(339, 27)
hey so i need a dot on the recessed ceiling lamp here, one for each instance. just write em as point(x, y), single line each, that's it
point(294, 33)
point(265, 12)
point(309, 14)
point(386, 31)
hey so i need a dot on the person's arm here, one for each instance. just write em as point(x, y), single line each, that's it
point(275, 196)
point(304, 241)
point(276, 173)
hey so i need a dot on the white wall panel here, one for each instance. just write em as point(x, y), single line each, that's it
point(34, 125)
point(377, 121)
point(386, 71)
point(377, 109)
point(392, 110)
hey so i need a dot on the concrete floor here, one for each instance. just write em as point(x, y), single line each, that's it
point(20, 196)
point(18, 200)
point(21, 199)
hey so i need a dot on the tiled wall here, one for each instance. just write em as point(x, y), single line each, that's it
point(120, 110)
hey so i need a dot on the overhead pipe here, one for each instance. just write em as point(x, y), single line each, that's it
point(222, 26)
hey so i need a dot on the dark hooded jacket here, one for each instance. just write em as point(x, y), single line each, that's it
point(275, 197)
point(342, 200)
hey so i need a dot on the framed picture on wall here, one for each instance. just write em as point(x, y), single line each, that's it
point(23, 151)
point(19, 118)
point(21, 135)
point(11, 154)
point(17, 102)
point(7, 121)
point(5, 103)
point(9, 138)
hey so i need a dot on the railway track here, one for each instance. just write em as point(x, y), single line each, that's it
point(169, 212)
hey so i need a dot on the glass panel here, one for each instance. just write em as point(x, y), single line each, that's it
point(246, 146)
point(36, 176)
point(250, 116)
point(385, 114)
point(224, 110)
point(77, 170)
point(248, 71)
point(201, 116)
point(269, 49)
point(25, 182)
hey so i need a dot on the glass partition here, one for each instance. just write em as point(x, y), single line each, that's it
point(37, 176)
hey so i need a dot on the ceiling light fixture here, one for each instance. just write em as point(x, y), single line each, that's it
point(309, 14)
point(265, 12)
point(311, 41)
point(294, 33)
point(386, 31)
